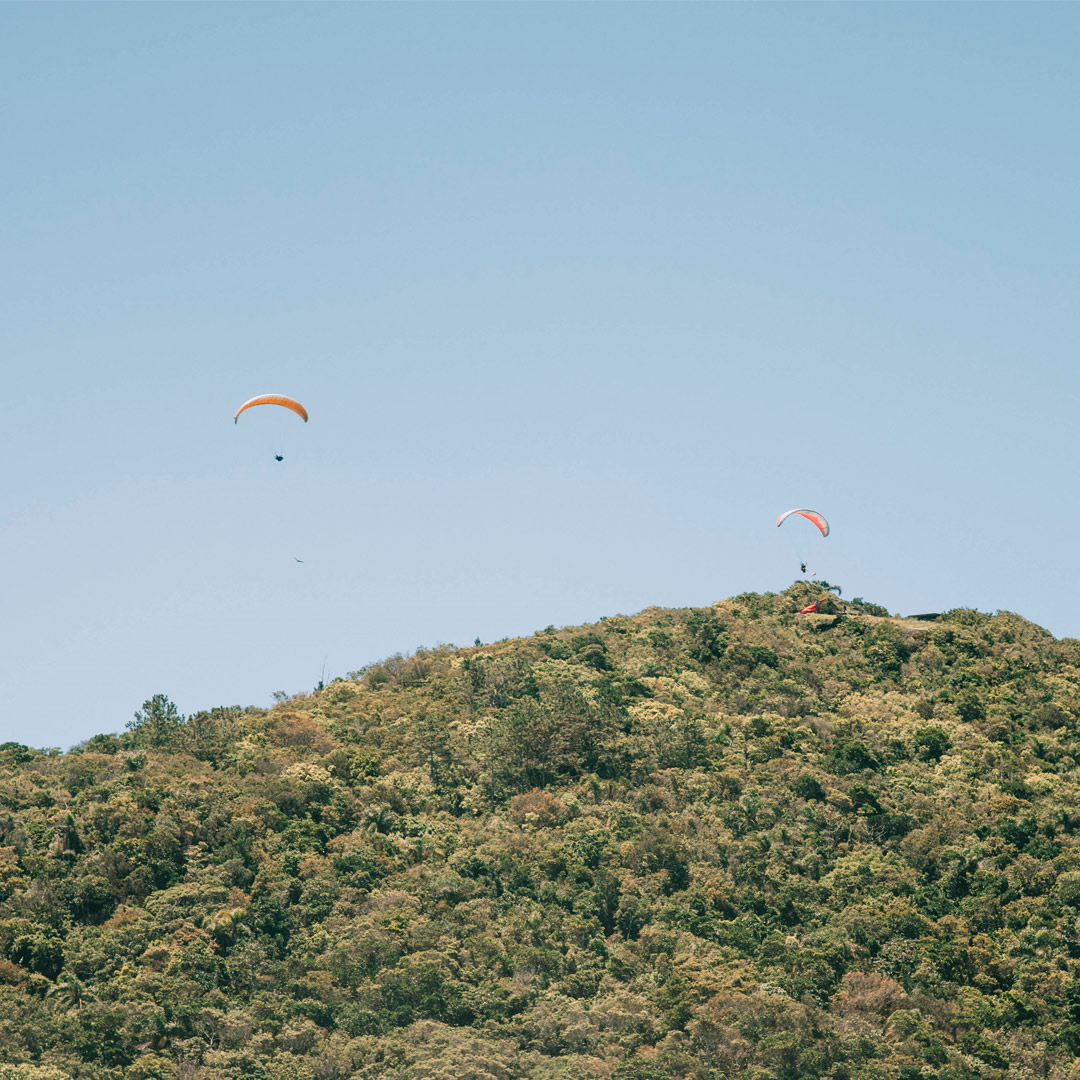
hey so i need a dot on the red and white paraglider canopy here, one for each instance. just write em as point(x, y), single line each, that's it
point(810, 515)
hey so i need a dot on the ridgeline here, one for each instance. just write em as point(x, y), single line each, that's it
point(724, 842)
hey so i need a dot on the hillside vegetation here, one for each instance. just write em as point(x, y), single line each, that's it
point(727, 842)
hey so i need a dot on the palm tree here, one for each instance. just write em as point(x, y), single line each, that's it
point(70, 990)
point(161, 1030)
point(227, 926)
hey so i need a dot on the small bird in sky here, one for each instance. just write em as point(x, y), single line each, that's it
point(298, 560)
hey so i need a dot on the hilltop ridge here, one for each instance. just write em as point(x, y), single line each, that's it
point(732, 841)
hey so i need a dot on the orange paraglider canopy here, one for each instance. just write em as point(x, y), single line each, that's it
point(274, 399)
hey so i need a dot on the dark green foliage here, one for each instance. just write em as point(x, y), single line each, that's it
point(970, 708)
point(684, 845)
point(156, 723)
point(867, 608)
point(808, 787)
point(851, 754)
point(13, 753)
point(707, 636)
point(931, 743)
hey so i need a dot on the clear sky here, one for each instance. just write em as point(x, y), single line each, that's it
point(579, 297)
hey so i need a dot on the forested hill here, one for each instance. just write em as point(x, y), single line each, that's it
point(727, 842)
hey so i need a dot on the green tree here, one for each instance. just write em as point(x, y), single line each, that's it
point(156, 723)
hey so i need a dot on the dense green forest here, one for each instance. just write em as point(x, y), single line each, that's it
point(724, 842)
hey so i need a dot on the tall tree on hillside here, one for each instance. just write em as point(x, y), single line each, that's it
point(156, 722)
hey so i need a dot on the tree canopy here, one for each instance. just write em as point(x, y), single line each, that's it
point(689, 844)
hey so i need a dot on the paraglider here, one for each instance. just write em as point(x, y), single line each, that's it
point(810, 515)
point(274, 399)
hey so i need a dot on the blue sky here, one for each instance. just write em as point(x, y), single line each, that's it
point(579, 297)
